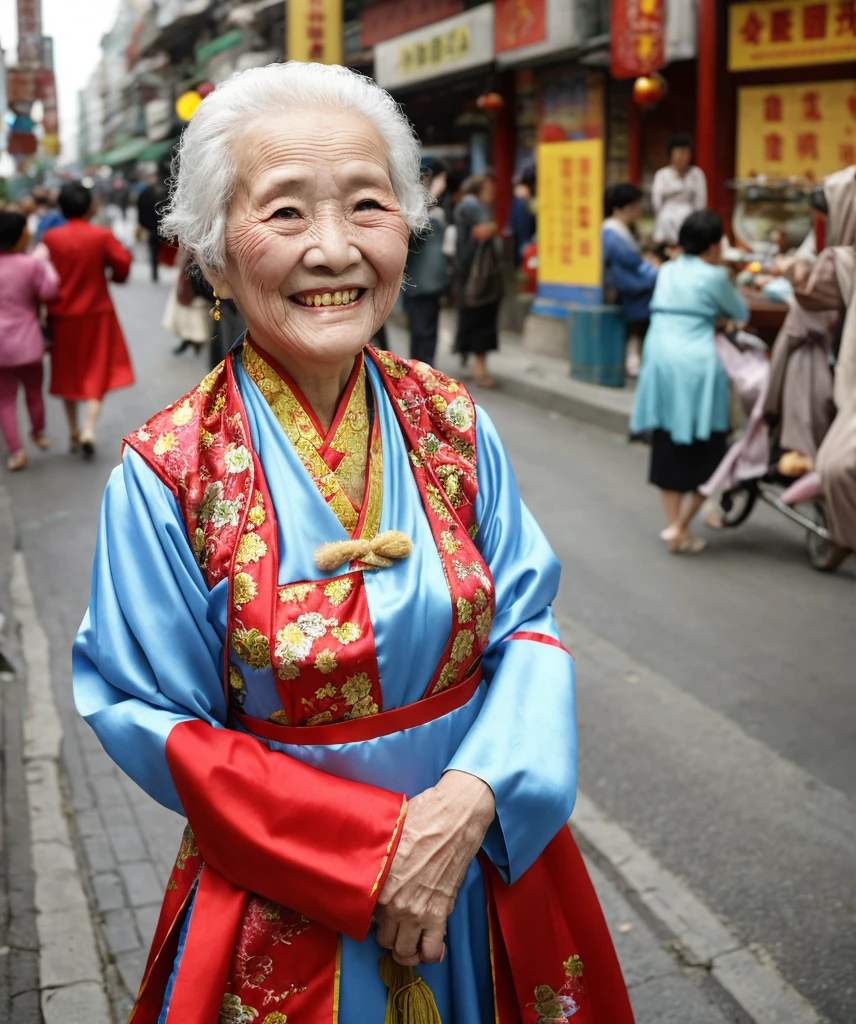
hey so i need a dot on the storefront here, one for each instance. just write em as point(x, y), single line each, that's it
point(777, 92)
point(437, 72)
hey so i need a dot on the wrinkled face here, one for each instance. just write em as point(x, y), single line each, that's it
point(315, 240)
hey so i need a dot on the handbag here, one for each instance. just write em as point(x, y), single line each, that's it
point(484, 282)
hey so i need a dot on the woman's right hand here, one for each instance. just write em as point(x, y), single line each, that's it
point(443, 831)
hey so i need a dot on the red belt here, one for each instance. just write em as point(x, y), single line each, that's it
point(369, 728)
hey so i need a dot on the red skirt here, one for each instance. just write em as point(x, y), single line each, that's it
point(89, 356)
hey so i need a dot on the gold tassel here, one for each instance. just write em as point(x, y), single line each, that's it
point(410, 1000)
point(378, 552)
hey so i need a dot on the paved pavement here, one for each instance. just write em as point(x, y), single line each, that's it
point(716, 702)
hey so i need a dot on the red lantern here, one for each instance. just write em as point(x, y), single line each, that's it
point(205, 89)
point(549, 132)
point(648, 90)
point(490, 102)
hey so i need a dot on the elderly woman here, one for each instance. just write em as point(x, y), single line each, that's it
point(320, 621)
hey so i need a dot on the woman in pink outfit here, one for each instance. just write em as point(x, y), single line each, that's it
point(25, 282)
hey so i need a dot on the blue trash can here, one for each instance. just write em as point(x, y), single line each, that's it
point(596, 336)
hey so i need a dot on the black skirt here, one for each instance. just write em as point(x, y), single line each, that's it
point(684, 467)
point(477, 329)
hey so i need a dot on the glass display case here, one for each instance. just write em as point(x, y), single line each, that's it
point(771, 216)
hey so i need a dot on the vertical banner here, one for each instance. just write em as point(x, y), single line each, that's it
point(638, 32)
point(314, 31)
point(570, 204)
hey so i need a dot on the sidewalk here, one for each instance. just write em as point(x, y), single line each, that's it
point(544, 381)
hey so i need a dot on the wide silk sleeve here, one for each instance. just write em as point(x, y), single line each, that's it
point(524, 742)
point(147, 678)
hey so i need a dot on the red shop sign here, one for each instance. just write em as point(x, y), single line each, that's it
point(391, 18)
point(638, 33)
point(519, 23)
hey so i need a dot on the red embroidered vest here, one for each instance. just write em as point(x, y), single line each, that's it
point(317, 635)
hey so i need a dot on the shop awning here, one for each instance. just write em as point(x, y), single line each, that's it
point(225, 42)
point(155, 150)
point(124, 153)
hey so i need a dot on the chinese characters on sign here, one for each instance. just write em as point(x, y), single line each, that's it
point(435, 51)
point(570, 198)
point(638, 37)
point(314, 31)
point(805, 131)
point(787, 33)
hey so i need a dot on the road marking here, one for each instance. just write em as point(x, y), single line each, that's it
point(71, 981)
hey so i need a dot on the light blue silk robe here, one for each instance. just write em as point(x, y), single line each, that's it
point(149, 654)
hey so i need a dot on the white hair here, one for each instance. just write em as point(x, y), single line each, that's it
point(205, 171)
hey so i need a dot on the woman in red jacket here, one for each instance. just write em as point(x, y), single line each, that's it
point(89, 356)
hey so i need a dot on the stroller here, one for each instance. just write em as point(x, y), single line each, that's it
point(746, 473)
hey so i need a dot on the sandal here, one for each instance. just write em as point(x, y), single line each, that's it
point(17, 460)
point(41, 441)
point(87, 446)
point(74, 441)
point(686, 544)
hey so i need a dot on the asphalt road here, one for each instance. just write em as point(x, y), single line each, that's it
point(716, 692)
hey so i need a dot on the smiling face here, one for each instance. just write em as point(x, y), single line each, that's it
point(315, 240)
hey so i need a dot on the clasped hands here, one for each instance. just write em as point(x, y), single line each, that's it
point(443, 831)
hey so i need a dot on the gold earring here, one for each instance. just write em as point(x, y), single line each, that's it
point(215, 312)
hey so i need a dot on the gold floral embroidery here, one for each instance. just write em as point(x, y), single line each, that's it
point(322, 718)
point(483, 624)
point(197, 545)
point(250, 549)
point(165, 443)
point(450, 478)
point(473, 531)
point(257, 514)
point(279, 717)
point(357, 694)
point(207, 385)
point(236, 680)
point(297, 592)
point(344, 485)
point(206, 439)
point(327, 690)
point(414, 458)
point(446, 678)
point(573, 966)
point(347, 633)
point(463, 448)
point(437, 504)
point(219, 403)
point(325, 661)
point(244, 589)
point(394, 370)
point(171, 885)
point(448, 542)
point(187, 849)
point(438, 402)
point(252, 647)
point(233, 1010)
point(287, 672)
point(480, 599)
point(270, 911)
point(183, 414)
point(462, 648)
point(275, 1018)
point(338, 590)
point(465, 610)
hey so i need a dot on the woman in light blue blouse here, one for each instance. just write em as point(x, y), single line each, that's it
point(683, 396)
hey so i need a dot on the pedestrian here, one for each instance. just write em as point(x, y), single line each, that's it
point(478, 270)
point(285, 568)
point(521, 218)
point(148, 217)
point(187, 310)
point(678, 189)
point(426, 274)
point(683, 394)
point(629, 278)
point(89, 356)
point(51, 216)
point(25, 283)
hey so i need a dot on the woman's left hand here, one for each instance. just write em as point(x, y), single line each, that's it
point(443, 831)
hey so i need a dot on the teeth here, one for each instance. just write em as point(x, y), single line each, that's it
point(329, 298)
